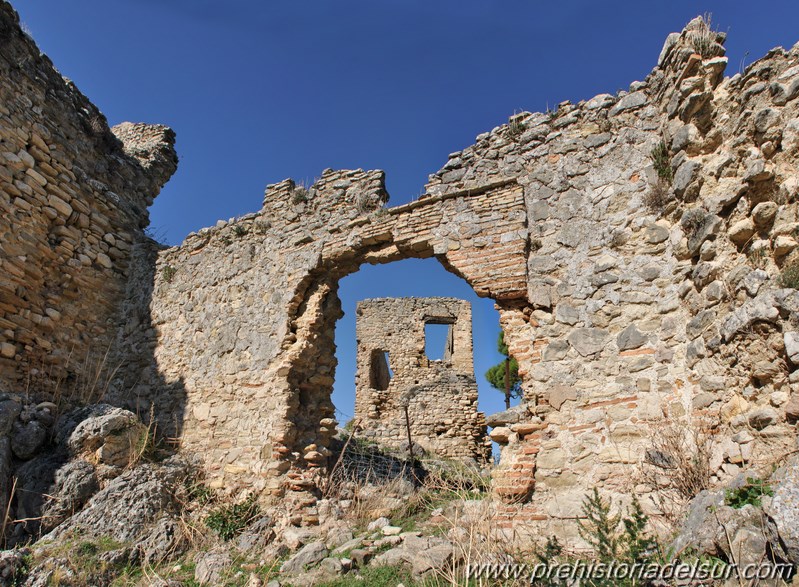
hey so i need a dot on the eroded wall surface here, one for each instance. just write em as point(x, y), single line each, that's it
point(635, 246)
point(641, 248)
point(236, 352)
point(73, 201)
point(394, 372)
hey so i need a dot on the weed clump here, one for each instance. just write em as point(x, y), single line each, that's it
point(228, 521)
point(692, 221)
point(662, 162)
point(790, 274)
point(658, 197)
point(750, 493)
point(168, 273)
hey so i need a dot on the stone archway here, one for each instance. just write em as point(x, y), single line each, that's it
point(246, 317)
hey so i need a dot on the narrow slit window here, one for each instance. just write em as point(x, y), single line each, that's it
point(380, 372)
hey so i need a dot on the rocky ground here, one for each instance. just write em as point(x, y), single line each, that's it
point(96, 500)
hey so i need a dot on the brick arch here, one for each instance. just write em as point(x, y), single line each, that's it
point(245, 320)
point(479, 235)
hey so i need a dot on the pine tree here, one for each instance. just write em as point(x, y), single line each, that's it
point(505, 375)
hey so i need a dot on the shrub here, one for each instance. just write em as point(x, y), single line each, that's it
point(229, 520)
point(683, 457)
point(515, 128)
point(168, 273)
point(692, 220)
point(704, 38)
point(658, 197)
point(299, 195)
point(662, 162)
point(790, 274)
point(599, 529)
point(614, 538)
point(748, 494)
point(239, 230)
point(758, 258)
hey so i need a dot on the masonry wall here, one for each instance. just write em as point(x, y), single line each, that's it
point(634, 243)
point(641, 249)
point(237, 352)
point(440, 395)
point(73, 200)
point(660, 301)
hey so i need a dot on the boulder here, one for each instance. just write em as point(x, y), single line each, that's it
point(763, 214)
point(749, 534)
point(791, 340)
point(762, 417)
point(258, 535)
point(165, 542)
point(111, 437)
point(130, 504)
point(792, 410)
point(13, 564)
point(308, 556)
point(27, 438)
point(783, 509)
point(9, 411)
point(741, 232)
point(211, 565)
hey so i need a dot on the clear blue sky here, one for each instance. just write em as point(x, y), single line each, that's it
point(261, 90)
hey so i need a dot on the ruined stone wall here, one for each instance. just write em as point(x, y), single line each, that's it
point(660, 299)
point(394, 371)
point(641, 248)
point(236, 348)
point(635, 245)
point(73, 200)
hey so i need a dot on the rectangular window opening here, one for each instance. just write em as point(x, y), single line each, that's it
point(380, 373)
point(438, 341)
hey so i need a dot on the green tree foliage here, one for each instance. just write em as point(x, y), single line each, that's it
point(617, 538)
point(496, 374)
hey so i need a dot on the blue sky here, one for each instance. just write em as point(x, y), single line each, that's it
point(261, 90)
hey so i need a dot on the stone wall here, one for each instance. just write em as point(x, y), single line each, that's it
point(634, 245)
point(73, 201)
point(641, 249)
point(394, 371)
point(235, 341)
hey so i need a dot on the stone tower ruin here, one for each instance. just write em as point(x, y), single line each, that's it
point(394, 371)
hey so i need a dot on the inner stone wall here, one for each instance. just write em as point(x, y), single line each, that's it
point(441, 395)
point(235, 341)
point(73, 201)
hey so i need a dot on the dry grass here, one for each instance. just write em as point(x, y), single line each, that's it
point(677, 465)
point(75, 380)
point(703, 39)
point(658, 197)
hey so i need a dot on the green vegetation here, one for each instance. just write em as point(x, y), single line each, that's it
point(617, 538)
point(662, 162)
point(229, 520)
point(373, 577)
point(496, 375)
point(790, 274)
point(168, 273)
point(750, 493)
